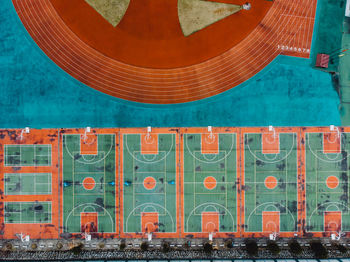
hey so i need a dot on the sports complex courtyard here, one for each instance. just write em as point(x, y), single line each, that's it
point(172, 119)
point(175, 182)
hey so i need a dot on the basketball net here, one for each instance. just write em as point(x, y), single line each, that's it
point(23, 237)
point(86, 236)
point(273, 236)
point(149, 236)
point(337, 236)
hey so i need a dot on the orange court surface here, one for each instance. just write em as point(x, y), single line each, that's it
point(174, 182)
point(153, 55)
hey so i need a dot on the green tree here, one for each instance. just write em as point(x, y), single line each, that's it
point(251, 247)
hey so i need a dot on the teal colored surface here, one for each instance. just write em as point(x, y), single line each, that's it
point(328, 31)
point(344, 74)
point(35, 92)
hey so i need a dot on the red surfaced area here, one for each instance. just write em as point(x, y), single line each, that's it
point(63, 29)
point(149, 35)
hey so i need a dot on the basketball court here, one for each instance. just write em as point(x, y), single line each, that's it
point(89, 182)
point(270, 193)
point(326, 174)
point(149, 182)
point(175, 182)
point(210, 174)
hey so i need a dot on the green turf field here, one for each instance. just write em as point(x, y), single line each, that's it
point(27, 212)
point(27, 184)
point(162, 198)
point(27, 155)
point(319, 197)
point(102, 197)
point(222, 198)
point(282, 198)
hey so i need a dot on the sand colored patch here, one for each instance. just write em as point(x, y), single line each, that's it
point(195, 15)
point(111, 10)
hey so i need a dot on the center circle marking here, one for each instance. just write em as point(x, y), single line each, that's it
point(209, 182)
point(149, 183)
point(89, 183)
point(332, 182)
point(270, 182)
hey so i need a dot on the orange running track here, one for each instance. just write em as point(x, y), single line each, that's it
point(278, 27)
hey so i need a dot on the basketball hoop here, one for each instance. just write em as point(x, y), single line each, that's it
point(273, 236)
point(86, 236)
point(149, 130)
point(334, 128)
point(26, 130)
point(272, 129)
point(87, 130)
point(210, 130)
point(337, 236)
point(23, 237)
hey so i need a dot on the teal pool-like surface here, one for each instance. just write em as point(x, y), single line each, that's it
point(35, 92)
